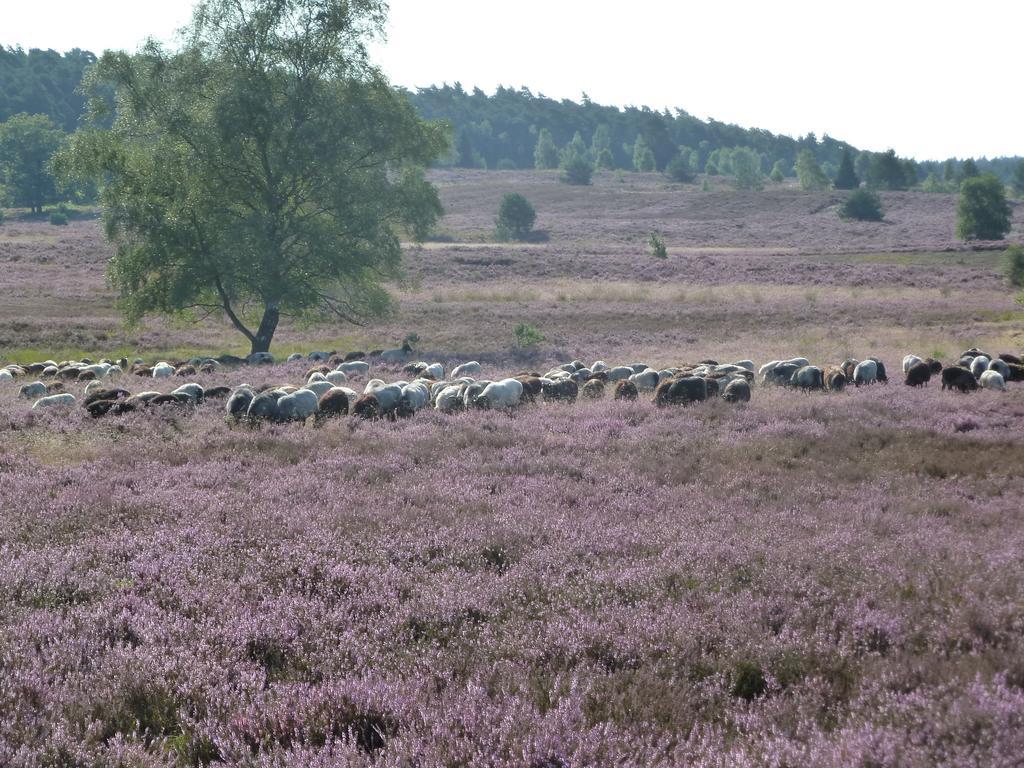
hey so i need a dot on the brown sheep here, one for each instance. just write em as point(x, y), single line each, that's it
point(322, 369)
point(171, 400)
point(737, 391)
point(933, 365)
point(185, 370)
point(54, 386)
point(682, 390)
point(1006, 357)
point(86, 376)
point(626, 390)
point(354, 356)
point(565, 391)
point(835, 378)
point(1016, 371)
point(333, 402)
point(367, 407)
point(532, 386)
point(918, 375)
point(106, 394)
point(143, 370)
point(216, 393)
point(712, 386)
point(593, 389)
point(958, 377)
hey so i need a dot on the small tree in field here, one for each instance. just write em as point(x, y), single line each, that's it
point(576, 170)
point(527, 336)
point(862, 205)
point(1018, 178)
point(27, 142)
point(982, 212)
point(969, 170)
point(515, 217)
point(606, 160)
point(545, 154)
point(846, 176)
point(679, 169)
point(778, 174)
point(657, 244)
point(746, 169)
point(1013, 258)
point(809, 173)
point(643, 156)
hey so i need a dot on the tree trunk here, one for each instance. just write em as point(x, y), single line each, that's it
point(265, 333)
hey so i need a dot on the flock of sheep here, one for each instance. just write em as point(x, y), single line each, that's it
point(326, 390)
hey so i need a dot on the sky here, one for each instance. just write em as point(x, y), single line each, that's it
point(928, 79)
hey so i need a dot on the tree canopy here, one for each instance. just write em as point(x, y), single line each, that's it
point(266, 168)
point(846, 176)
point(809, 173)
point(982, 212)
point(27, 143)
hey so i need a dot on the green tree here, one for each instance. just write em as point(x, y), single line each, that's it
point(515, 217)
point(778, 174)
point(846, 176)
point(643, 156)
point(1018, 177)
point(862, 205)
point(746, 169)
point(266, 168)
point(601, 141)
point(1013, 259)
point(887, 172)
point(545, 154)
point(809, 173)
point(576, 170)
point(969, 169)
point(577, 146)
point(910, 173)
point(27, 142)
point(679, 168)
point(949, 171)
point(982, 212)
point(606, 160)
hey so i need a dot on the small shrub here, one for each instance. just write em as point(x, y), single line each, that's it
point(657, 243)
point(678, 169)
point(1014, 259)
point(705, 187)
point(58, 218)
point(515, 217)
point(576, 170)
point(505, 165)
point(747, 681)
point(527, 336)
point(862, 205)
point(606, 160)
point(982, 212)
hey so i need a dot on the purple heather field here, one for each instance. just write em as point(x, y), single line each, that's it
point(804, 580)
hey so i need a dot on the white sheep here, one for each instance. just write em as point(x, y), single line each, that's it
point(354, 368)
point(993, 380)
point(298, 406)
point(1000, 367)
point(501, 394)
point(163, 371)
point(620, 372)
point(320, 387)
point(336, 377)
point(471, 368)
point(645, 381)
point(35, 389)
point(449, 399)
point(865, 373)
point(435, 371)
point(979, 365)
point(909, 361)
point(64, 399)
point(6, 375)
point(192, 391)
point(415, 395)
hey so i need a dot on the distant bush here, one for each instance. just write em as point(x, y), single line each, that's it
point(58, 218)
point(746, 169)
point(812, 178)
point(643, 155)
point(1013, 258)
point(505, 165)
point(862, 205)
point(657, 244)
point(679, 170)
point(606, 160)
point(1018, 178)
point(886, 171)
point(778, 173)
point(545, 154)
point(577, 170)
point(1, 215)
point(710, 168)
point(982, 212)
point(515, 217)
point(527, 336)
point(846, 176)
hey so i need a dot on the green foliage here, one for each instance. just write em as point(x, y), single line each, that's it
point(862, 205)
point(658, 248)
point(58, 218)
point(545, 154)
point(747, 681)
point(576, 170)
point(27, 142)
point(605, 160)
point(982, 212)
point(846, 176)
point(38, 82)
point(515, 217)
point(711, 168)
point(969, 169)
point(887, 172)
point(778, 174)
point(1018, 178)
point(679, 168)
point(577, 146)
point(746, 169)
point(1013, 258)
point(643, 157)
point(600, 143)
point(933, 185)
point(949, 171)
point(527, 336)
point(809, 173)
point(1, 215)
point(704, 186)
point(264, 169)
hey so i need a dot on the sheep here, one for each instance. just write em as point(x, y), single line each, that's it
point(737, 391)
point(835, 379)
point(865, 373)
point(294, 357)
point(472, 392)
point(620, 372)
point(472, 368)
point(1001, 367)
point(62, 400)
point(645, 380)
point(681, 391)
point(848, 367)
point(593, 389)
point(747, 365)
point(934, 365)
point(958, 377)
point(782, 374)
point(435, 371)
point(918, 374)
point(503, 394)
point(399, 355)
point(712, 386)
point(560, 391)
point(414, 397)
point(799, 362)
point(320, 387)
point(216, 393)
point(264, 406)
point(334, 402)
point(162, 371)
point(388, 396)
point(533, 386)
point(1012, 359)
point(367, 407)
point(1016, 372)
point(808, 377)
point(909, 361)
point(766, 369)
point(880, 374)
point(319, 357)
point(449, 399)
point(336, 377)
point(35, 389)
point(414, 369)
point(992, 380)
point(979, 365)
point(355, 355)
point(105, 394)
point(626, 390)
point(192, 391)
point(354, 368)
point(260, 358)
point(298, 406)
point(599, 366)
point(171, 399)
point(6, 375)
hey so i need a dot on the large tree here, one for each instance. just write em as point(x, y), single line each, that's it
point(27, 142)
point(982, 212)
point(264, 169)
point(846, 177)
point(809, 173)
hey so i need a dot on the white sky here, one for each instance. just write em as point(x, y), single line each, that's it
point(929, 79)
